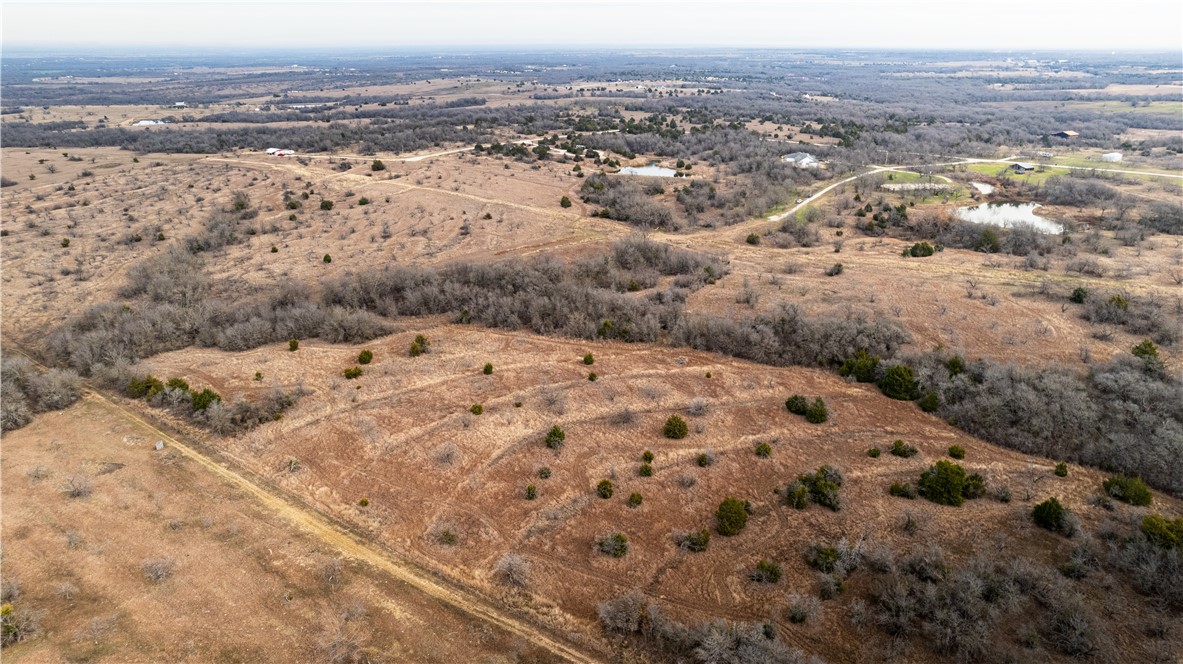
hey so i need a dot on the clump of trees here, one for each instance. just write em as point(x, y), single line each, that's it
point(1117, 416)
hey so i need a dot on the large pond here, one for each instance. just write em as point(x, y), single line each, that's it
point(651, 171)
point(1008, 215)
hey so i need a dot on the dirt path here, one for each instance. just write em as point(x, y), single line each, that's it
point(347, 543)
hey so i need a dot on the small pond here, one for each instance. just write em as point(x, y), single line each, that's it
point(651, 171)
point(983, 187)
point(1008, 215)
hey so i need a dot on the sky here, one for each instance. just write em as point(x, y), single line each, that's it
point(1129, 25)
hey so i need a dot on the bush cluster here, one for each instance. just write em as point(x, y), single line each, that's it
point(821, 487)
point(25, 391)
point(946, 483)
point(1130, 490)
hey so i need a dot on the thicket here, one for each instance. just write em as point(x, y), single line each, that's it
point(635, 616)
point(204, 407)
point(25, 391)
point(1118, 416)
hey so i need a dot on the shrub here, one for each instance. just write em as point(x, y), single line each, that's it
point(326, 205)
point(862, 366)
point(797, 495)
point(565, 202)
point(902, 490)
point(204, 399)
point(943, 483)
point(816, 413)
point(634, 500)
point(144, 388)
point(820, 487)
point(512, 570)
point(1079, 295)
point(615, 545)
point(555, 437)
point(364, 502)
point(1127, 489)
point(1050, 514)
point(901, 449)
point(763, 450)
point(874, 452)
point(731, 516)
point(822, 558)
point(604, 489)
point(544, 473)
point(647, 456)
point(16, 623)
point(531, 492)
point(801, 608)
point(695, 541)
point(975, 487)
point(377, 166)
point(488, 370)
point(157, 569)
point(899, 383)
point(353, 372)
point(646, 470)
point(675, 428)
point(1061, 470)
point(293, 345)
point(834, 270)
point(365, 357)
point(363, 201)
point(589, 359)
point(929, 402)
point(592, 376)
point(766, 572)
point(704, 459)
point(476, 409)
point(920, 250)
point(957, 451)
point(1163, 532)
point(797, 404)
point(327, 258)
point(753, 239)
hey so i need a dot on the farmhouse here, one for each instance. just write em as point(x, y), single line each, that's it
point(801, 160)
point(1065, 134)
point(1111, 156)
point(1022, 167)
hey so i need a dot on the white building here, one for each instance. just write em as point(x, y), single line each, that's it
point(1111, 156)
point(801, 160)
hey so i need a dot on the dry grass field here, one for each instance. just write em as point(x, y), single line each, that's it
point(403, 438)
point(416, 513)
point(161, 560)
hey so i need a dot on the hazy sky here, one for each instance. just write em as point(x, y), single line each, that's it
point(913, 24)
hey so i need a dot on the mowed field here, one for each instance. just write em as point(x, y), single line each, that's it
point(447, 487)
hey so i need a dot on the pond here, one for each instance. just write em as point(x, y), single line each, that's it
point(1008, 215)
point(983, 187)
point(651, 171)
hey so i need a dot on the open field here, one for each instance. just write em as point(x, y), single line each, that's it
point(238, 582)
point(421, 372)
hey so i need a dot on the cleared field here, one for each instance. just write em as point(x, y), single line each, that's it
point(162, 560)
point(448, 487)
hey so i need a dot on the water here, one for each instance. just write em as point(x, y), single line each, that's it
point(650, 171)
point(1008, 215)
point(983, 187)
